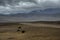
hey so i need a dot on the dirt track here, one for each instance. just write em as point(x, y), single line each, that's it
point(42, 25)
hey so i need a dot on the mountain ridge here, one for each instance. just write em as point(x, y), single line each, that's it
point(50, 11)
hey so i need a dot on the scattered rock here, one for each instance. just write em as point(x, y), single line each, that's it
point(23, 31)
point(18, 30)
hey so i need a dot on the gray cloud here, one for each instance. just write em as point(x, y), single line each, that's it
point(14, 6)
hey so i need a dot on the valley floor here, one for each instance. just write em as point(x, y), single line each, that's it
point(33, 31)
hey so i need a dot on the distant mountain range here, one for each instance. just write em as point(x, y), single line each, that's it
point(49, 11)
point(51, 14)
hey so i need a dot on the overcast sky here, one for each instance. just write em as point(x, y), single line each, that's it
point(15, 6)
point(24, 6)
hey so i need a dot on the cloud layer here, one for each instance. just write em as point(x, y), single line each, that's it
point(20, 6)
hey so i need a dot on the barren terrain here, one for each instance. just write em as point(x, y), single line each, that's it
point(33, 31)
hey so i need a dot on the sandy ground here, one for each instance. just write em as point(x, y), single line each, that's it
point(42, 25)
point(32, 32)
